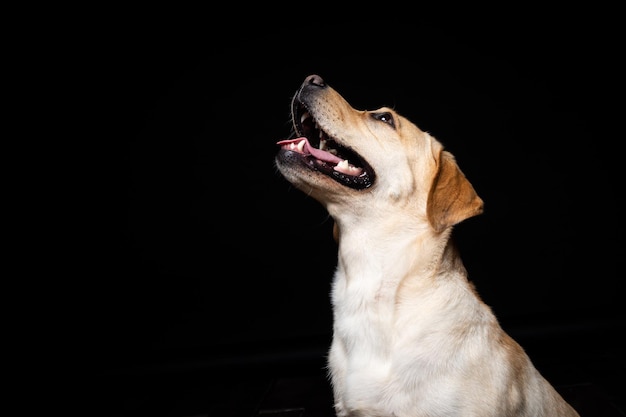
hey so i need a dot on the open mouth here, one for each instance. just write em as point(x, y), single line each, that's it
point(318, 151)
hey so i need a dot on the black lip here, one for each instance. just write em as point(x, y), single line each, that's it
point(363, 181)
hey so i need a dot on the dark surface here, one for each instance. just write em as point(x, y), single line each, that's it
point(209, 292)
point(290, 381)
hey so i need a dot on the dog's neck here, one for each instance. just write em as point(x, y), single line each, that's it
point(382, 270)
point(385, 254)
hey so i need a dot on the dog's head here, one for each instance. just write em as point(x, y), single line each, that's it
point(352, 160)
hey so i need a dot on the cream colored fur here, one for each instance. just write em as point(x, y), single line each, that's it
point(411, 337)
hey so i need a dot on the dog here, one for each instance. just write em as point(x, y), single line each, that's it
point(411, 336)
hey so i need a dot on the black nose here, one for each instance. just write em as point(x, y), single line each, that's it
point(315, 80)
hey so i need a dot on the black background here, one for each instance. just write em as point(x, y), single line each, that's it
point(219, 263)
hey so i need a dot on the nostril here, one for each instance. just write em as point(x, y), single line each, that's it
point(315, 80)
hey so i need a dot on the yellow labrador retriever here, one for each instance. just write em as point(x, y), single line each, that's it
point(410, 337)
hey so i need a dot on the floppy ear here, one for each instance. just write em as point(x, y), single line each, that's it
point(452, 198)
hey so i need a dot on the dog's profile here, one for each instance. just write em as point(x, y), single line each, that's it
point(411, 337)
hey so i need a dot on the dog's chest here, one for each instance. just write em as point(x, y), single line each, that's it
point(364, 314)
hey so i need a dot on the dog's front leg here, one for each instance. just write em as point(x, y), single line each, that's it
point(337, 372)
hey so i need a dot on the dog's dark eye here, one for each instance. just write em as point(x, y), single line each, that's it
point(385, 117)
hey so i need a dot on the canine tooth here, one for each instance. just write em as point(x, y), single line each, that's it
point(343, 164)
point(322, 144)
point(304, 116)
point(301, 146)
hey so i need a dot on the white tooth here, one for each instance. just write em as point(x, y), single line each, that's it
point(321, 133)
point(322, 144)
point(343, 164)
point(301, 146)
point(304, 116)
point(292, 146)
point(333, 151)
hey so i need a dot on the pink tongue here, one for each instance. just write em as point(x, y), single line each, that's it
point(318, 153)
